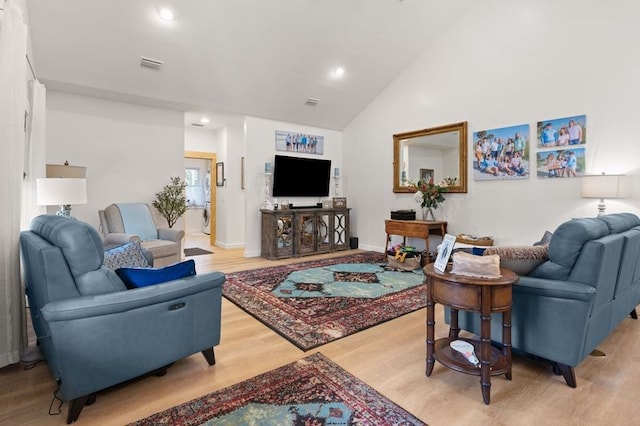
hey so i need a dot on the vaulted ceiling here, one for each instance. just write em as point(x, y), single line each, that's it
point(225, 58)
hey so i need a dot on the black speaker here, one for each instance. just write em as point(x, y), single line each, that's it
point(353, 242)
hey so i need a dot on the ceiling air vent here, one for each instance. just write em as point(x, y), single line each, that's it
point(312, 101)
point(150, 63)
point(197, 125)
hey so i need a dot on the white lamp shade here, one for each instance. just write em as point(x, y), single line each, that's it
point(61, 191)
point(604, 186)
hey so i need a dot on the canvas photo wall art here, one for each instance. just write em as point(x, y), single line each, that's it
point(299, 142)
point(561, 146)
point(500, 154)
point(566, 131)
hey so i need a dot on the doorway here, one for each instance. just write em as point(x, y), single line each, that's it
point(210, 157)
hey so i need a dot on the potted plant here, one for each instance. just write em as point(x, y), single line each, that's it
point(171, 202)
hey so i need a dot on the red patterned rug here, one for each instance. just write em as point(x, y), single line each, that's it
point(313, 303)
point(311, 391)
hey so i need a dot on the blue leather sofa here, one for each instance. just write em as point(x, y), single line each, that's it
point(94, 332)
point(570, 303)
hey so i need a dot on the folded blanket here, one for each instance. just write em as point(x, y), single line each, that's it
point(137, 220)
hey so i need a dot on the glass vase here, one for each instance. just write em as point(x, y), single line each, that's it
point(427, 214)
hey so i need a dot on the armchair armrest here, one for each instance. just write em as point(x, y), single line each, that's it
point(118, 239)
point(122, 301)
point(170, 234)
point(554, 288)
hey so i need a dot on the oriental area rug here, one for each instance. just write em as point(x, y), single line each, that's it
point(313, 303)
point(311, 391)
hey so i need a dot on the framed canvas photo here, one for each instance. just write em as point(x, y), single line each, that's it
point(426, 175)
point(445, 252)
point(299, 142)
point(501, 154)
point(219, 174)
point(566, 131)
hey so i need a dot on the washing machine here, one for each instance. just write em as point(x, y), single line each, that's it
point(206, 218)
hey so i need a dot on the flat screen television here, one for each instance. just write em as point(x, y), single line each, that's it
point(300, 177)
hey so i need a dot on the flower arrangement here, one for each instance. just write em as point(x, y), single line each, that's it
point(428, 194)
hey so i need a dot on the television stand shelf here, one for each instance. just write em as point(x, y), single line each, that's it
point(303, 232)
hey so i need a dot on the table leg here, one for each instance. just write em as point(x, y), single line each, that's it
point(485, 344)
point(430, 327)
point(454, 329)
point(426, 245)
point(506, 340)
point(386, 246)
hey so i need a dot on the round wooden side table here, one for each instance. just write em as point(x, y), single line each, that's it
point(486, 296)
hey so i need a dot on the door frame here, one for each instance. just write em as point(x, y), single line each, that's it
point(211, 156)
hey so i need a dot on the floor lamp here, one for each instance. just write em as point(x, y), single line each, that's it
point(604, 186)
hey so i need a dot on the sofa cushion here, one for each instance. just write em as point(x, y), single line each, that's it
point(620, 222)
point(142, 277)
point(520, 259)
point(160, 248)
point(128, 255)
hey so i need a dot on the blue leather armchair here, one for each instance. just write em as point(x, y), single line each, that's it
point(569, 304)
point(94, 332)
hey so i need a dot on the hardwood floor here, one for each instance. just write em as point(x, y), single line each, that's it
point(390, 357)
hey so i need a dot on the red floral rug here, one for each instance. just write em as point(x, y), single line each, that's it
point(311, 391)
point(313, 303)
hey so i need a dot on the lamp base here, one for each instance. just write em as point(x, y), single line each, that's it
point(601, 207)
point(65, 210)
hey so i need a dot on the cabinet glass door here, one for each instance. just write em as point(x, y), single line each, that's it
point(324, 232)
point(284, 235)
point(306, 232)
point(341, 229)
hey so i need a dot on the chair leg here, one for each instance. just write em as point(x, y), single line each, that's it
point(567, 372)
point(634, 314)
point(209, 355)
point(76, 406)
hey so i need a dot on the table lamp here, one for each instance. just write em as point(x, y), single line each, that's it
point(61, 192)
point(604, 186)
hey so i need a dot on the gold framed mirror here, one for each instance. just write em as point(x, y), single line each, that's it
point(438, 152)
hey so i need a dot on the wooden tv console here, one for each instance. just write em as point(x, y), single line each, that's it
point(303, 232)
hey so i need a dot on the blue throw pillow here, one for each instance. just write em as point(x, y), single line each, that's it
point(478, 251)
point(142, 277)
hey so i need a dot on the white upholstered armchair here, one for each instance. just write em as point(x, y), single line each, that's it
point(123, 222)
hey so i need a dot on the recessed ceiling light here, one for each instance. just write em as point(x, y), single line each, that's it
point(338, 72)
point(166, 14)
point(204, 120)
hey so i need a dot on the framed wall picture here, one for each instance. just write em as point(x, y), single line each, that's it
point(562, 132)
point(426, 175)
point(220, 174)
point(299, 142)
point(501, 154)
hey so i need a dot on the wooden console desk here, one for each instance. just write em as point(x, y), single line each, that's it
point(414, 228)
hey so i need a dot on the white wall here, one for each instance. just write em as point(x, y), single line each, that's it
point(259, 137)
point(130, 151)
point(506, 63)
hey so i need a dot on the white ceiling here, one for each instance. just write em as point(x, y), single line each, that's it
point(224, 58)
